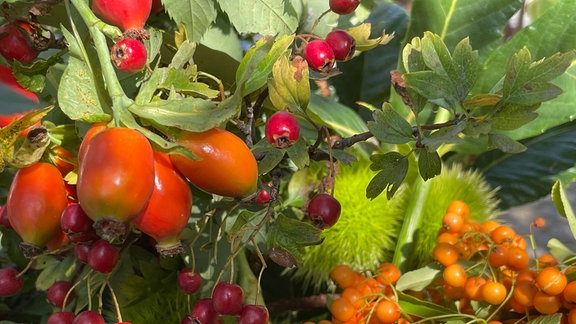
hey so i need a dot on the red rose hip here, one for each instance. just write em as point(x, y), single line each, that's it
point(128, 55)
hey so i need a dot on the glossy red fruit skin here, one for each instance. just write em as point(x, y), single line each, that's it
point(343, 44)
point(4, 220)
point(57, 293)
point(35, 202)
point(15, 42)
point(168, 209)
point(189, 281)
point(319, 55)
point(8, 79)
point(9, 284)
point(263, 197)
point(324, 210)
point(227, 166)
point(128, 55)
point(282, 129)
point(116, 175)
point(344, 7)
point(88, 317)
point(81, 251)
point(203, 312)
point(254, 314)
point(103, 256)
point(57, 242)
point(61, 318)
point(90, 133)
point(227, 298)
point(126, 14)
point(77, 225)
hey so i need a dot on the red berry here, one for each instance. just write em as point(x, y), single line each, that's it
point(77, 225)
point(319, 55)
point(16, 42)
point(81, 251)
point(88, 317)
point(103, 256)
point(128, 55)
point(4, 220)
point(57, 293)
point(344, 7)
point(189, 281)
point(263, 197)
point(9, 283)
point(324, 210)
point(156, 6)
point(8, 79)
point(61, 318)
point(254, 314)
point(343, 45)
point(282, 129)
point(203, 312)
point(228, 298)
point(126, 14)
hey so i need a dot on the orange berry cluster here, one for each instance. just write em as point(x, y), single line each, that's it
point(499, 269)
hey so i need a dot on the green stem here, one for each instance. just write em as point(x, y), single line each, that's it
point(91, 20)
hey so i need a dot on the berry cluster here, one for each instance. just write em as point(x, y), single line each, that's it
point(322, 54)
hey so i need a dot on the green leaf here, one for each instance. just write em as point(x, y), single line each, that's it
point(420, 308)
point(547, 319)
point(266, 17)
point(445, 135)
point(389, 127)
point(436, 88)
point(511, 116)
point(292, 235)
point(271, 159)
point(562, 204)
point(56, 271)
point(184, 81)
point(195, 15)
point(289, 86)
point(393, 167)
point(298, 153)
point(560, 251)
point(505, 143)
point(345, 121)
point(517, 72)
point(429, 163)
point(418, 279)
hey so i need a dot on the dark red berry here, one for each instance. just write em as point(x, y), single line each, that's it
point(203, 312)
point(228, 298)
point(263, 197)
point(323, 210)
point(16, 42)
point(282, 129)
point(253, 314)
point(61, 318)
point(189, 281)
point(81, 251)
point(128, 55)
point(344, 7)
point(343, 44)
point(77, 225)
point(10, 284)
point(103, 256)
point(88, 317)
point(319, 55)
point(57, 293)
point(4, 220)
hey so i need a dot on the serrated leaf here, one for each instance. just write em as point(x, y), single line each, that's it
point(516, 72)
point(195, 15)
point(418, 279)
point(562, 205)
point(292, 235)
point(58, 270)
point(266, 17)
point(298, 153)
point(429, 163)
point(432, 86)
point(511, 116)
point(389, 127)
point(505, 143)
point(532, 94)
point(393, 167)
point(289, 86)
point(361, 35)
point(445, 135)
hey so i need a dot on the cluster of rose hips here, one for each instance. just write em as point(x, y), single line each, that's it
point(502, 271)
point(227, 299)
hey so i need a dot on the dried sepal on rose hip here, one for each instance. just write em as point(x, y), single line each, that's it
point(129, 15)
point(282, 129)
point(128, 55)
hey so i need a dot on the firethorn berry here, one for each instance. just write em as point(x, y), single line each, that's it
point(547, 304)
point(569, 292)
point(551, 281)
point(498, 256)
point(489, 225)
point(343, 44)
point(493, 292)
point(452, 222)
point(88, 317)
point(343, 7)
point(103, 256)
point(323, 210)
point(282, 129)
point(10, 284)
point(387, 311)
point(524, 292)
point(458, 207)
point(129, 55)
point(354, 296)
point(445, 253)
point(539, 222)
point(203, 312)
point(61, 318)
point(343, 276)
point(253, 314)
point(16, 42)
point(319, 55)
point(126, 14)
point(518, 258)
point(189, 281)
point(227, 298)
point(502, 234)
point(57, 293)
point(388, 274)
point(473, 287)
point(547, 260)
point(342, 309)
point(455, 275)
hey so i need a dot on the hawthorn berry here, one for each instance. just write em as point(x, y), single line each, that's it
point(77, 225)
point(128, 55)
point(57, 293)
point(282, 129)
point(324, 210)
point(228, 298)
point(253, 314)
point(16, 42)
point(88, 317)
point(319, 55)
point(189, 281)
point(61, 318)
point(263, 197)
point(203, 312)
point(10, 283)
point(343, 44)
point(81, 252)
point(344, 7)
point(103, 256)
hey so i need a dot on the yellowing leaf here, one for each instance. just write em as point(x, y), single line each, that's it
point(361, 34)
point(290, 85)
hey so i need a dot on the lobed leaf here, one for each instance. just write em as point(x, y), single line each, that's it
point(389, 127)
point(393, 168)
point(289, 86)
